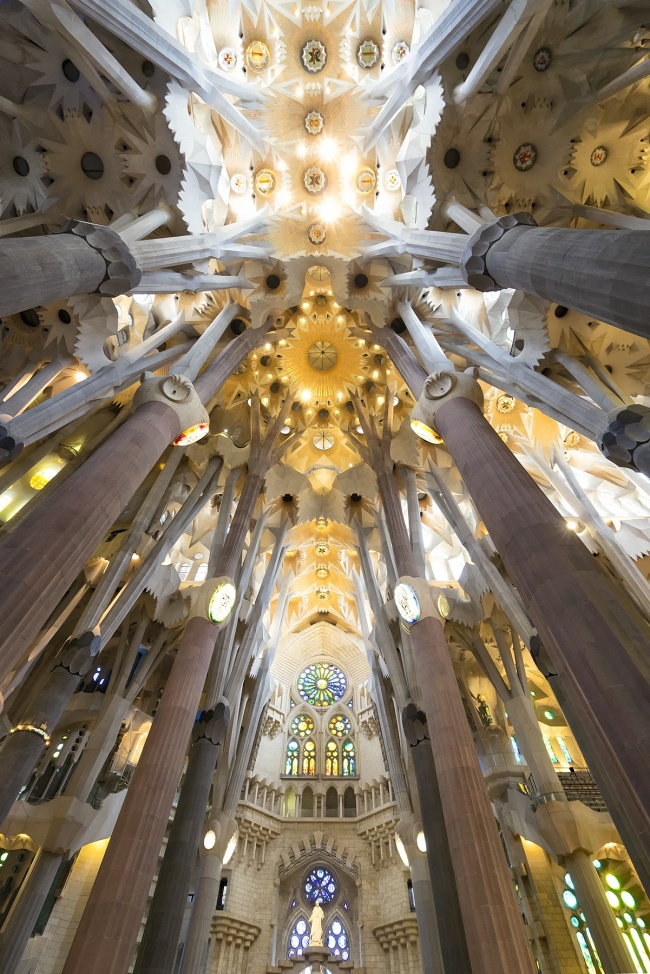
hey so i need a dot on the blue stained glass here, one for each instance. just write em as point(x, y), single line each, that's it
point(320, 884)
point(298, 938)
point(337, 940)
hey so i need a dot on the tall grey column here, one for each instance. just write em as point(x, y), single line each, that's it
point(24, 746)
point(159, 945)
point(86, 259)
point(451, 932)
point(20, 923)
point(602, 273)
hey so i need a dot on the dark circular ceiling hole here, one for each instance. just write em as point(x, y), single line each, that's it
point(265, 360)
point(30, 318)
point(355, 498)
point(65, 316)
point(237, 326)
point(451, 158)
point(378, 359)
point(275, 387)
point(287, 498)
point(92, 165)
point(163, 165)
point(148, 69)
point(398, 326)
point(70, 70)
point(360, 280)
point(323, 413)
point(462, 60)
point(273, 282)
point(21, 166)
point(561, 311)
point(295, 407)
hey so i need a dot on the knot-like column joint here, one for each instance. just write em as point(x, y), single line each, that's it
point(212, 600)
point(79, 654)
point(212, 725)
point(122, 270)
point(473, 263)
point(178, 392)
point(439, 388)
point(625, 439)
point(415, 725)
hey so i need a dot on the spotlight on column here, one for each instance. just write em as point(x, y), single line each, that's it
point(221, 599)
point(230, 848)
point(420, 841)
point(401, 849)
point(193, 433)
point(209, 839)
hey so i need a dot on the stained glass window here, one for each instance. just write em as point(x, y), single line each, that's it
point(292, 758)
point(516, 751)
point(322, 684)
point(565, 750)
point(349, 761)
point(309, 758)
point(337, 940)
point(332, 758)
point(320, 884)
point(339, 726)
point(298, 938)
point(551, 753)
point(302, 725)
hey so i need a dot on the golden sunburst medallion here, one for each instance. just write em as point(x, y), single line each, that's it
point(322, 360)
point(265, 182)
point(257, 56)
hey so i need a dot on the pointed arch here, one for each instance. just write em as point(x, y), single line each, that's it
point(349, 762)
point(332, 803)
point(349, 803)
point(331, 759)
point(337, 938)
point(307, 805)
point(309, 758)
point(291, 766)
point(298, 939)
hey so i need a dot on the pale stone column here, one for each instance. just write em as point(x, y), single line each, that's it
point(86, 259)
point(24, 914)
point(24, 746)
point(106, 937)
point(602, 273)
point(600, 917)
point(159, 944)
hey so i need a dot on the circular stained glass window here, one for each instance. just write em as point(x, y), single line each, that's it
point(339, 726)
point(302, 725)
point(320, 885)
point(322, 684)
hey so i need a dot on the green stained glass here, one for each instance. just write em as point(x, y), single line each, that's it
point(322, 684)
point(551, 753)
point(302, 725)
point(349, 761)
point(339, 725)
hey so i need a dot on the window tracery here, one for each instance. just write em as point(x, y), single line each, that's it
point(337, 939)
point(320, 884)
point(309, 758)
point(322, 684)
point(332, 759)
point(349, 762)
point(293, 753)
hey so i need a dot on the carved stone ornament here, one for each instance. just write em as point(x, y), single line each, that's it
point(439, 388)
point(122, 271)
point(473, 263)
point(178, 392)
point(414, 722)
point(314, 56)
point(212, 725)
point(625, 437)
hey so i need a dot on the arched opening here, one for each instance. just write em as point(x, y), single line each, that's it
point(331, 803)
point(307, 806)
point(349, 759)
point(291, 764)
point(349, 803)
point(332, 759)
point(289, 803)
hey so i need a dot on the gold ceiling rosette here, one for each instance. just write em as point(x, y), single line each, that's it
point(323, 360)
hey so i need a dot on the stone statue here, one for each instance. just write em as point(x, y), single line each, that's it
point(316, 926)
point(484, 710)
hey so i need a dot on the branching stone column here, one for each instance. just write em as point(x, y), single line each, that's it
point(158, 947)
point(602, 273)
point(86, 259)
point(106, 937)
point(496, 938)
point(593, 638)
point(42, 557)
point(24, 746)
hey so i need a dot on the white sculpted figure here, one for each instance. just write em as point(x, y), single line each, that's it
point(316, 926)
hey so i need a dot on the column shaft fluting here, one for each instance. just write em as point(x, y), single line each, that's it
point(602, 273)
point(591, 635)
point(24, 914)
point(496, 938)
point(159, 945)
point(106, 937)
point(41, 558)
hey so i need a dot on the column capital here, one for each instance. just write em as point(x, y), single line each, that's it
point(439, 388)
point(624, 437)
point(122, 270)
point(473, 263)
point(177, 391)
